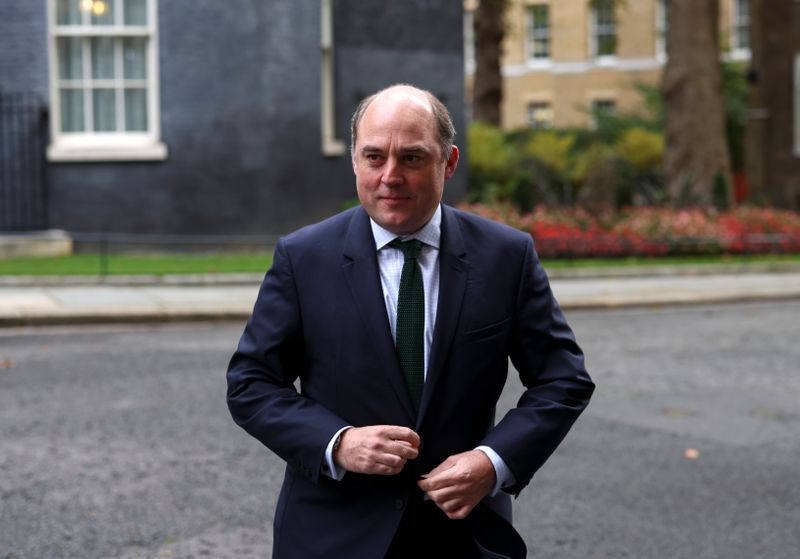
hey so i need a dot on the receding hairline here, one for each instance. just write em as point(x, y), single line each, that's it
point(443, 123)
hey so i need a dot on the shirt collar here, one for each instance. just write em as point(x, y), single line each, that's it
point(430, 233)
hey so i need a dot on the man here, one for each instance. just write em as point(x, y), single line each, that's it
point(401, 350)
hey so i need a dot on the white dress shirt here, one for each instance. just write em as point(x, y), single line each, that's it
point(390, 263)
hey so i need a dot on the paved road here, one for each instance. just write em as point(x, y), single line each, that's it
point(115, 443)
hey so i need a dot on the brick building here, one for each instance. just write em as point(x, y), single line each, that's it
point(200, 116)
point(564, 58)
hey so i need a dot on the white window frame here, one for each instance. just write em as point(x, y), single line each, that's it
point(594, 27)
point(530, 35)
point(738, 20)
point(596, 100)
point(543, 105)
point(797, 105)
point(331, 145)
point(662, 28)
point(469, 42)
point(106, 146)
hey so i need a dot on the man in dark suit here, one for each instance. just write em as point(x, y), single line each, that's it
point(398, 318)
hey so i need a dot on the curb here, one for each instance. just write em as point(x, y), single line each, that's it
point(677, 270)
point(86, 319)
point(132, 280)
point(567, 304)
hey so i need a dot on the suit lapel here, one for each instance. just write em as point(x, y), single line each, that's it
point(453, 273)
point(360, 268)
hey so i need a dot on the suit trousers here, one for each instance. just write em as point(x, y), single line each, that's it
point(425, 532)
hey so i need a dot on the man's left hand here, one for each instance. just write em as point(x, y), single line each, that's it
point(459, 483)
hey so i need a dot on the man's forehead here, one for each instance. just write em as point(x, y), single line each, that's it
point(404, 95)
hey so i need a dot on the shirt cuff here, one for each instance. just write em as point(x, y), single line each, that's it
point(329, 468)
point(504, 477)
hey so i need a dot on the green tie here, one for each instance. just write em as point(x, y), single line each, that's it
point(409, 339)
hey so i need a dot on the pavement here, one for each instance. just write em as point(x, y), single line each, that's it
point(49, 300)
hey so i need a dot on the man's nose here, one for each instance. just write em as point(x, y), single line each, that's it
point(391, 172)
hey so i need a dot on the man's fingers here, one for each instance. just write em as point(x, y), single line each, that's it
point(459, 483)
point(404, 434)
point(405, 450)
point(377, 449)
point(439, 477)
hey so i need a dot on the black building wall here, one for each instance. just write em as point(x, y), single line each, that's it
point(420, 42)
point(23, 47)
point(240, 110)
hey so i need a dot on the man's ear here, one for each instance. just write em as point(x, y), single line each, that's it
point(353, 160)
point(452, 163)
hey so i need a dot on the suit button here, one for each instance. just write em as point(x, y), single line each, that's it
point(399, 504)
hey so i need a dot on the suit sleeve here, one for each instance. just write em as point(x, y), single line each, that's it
point(551, 366)
point(269, 359)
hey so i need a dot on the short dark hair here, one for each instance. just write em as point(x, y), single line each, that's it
point(444, 123)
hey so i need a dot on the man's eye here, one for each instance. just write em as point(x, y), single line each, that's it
point(373, 157)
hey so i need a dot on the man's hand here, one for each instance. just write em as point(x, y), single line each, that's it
point(459, 483)
point(376, 449)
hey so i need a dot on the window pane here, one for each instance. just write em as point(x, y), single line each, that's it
point(104, 110)
point(68, 12)
point(541, 48)
point(606, 45)
point(135, 12)
point(605, 12)
point(134, 51)
point(538, 32)
point(103, 58)
point(605, 33)
point(102, 12)
point(741, 35)
point(540, 115)
point(540, 17)
point(70, 59)
point(136, 110)
point(71, 110)
point(603, 107)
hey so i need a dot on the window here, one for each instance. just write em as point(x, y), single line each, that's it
point(601, 108)
point(537, 32)
point(103, 80)
point(740, 30)
point(540, 115)
point(604, 29)
point(662, 25)
point(331, 145)
point(469, 42)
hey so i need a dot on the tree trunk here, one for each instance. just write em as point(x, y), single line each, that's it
point(756, 137)
point(487, 92)
point(773, 170)
point(697, 164)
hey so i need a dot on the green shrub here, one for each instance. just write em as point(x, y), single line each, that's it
point(641, 148)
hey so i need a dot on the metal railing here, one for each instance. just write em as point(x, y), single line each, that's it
point(106, 244)
point(23, 133)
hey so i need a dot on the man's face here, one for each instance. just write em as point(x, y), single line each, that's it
point(400, 171)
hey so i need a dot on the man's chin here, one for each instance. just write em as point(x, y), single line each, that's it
point(399, 225)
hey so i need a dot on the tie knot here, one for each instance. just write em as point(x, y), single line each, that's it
point(409, 248)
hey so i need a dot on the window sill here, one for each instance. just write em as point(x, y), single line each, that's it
point(606, 60)
point(151, 151)
point(333, 148)
point(737, 55)
point(539, 63)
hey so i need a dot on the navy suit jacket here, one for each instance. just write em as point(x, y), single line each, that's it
point(320, 318)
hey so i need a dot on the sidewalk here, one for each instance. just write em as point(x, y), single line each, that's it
point(42, 301)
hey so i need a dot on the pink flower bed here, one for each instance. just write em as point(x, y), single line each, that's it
point(650, 231)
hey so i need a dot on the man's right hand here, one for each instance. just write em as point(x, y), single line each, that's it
point(376, 449)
